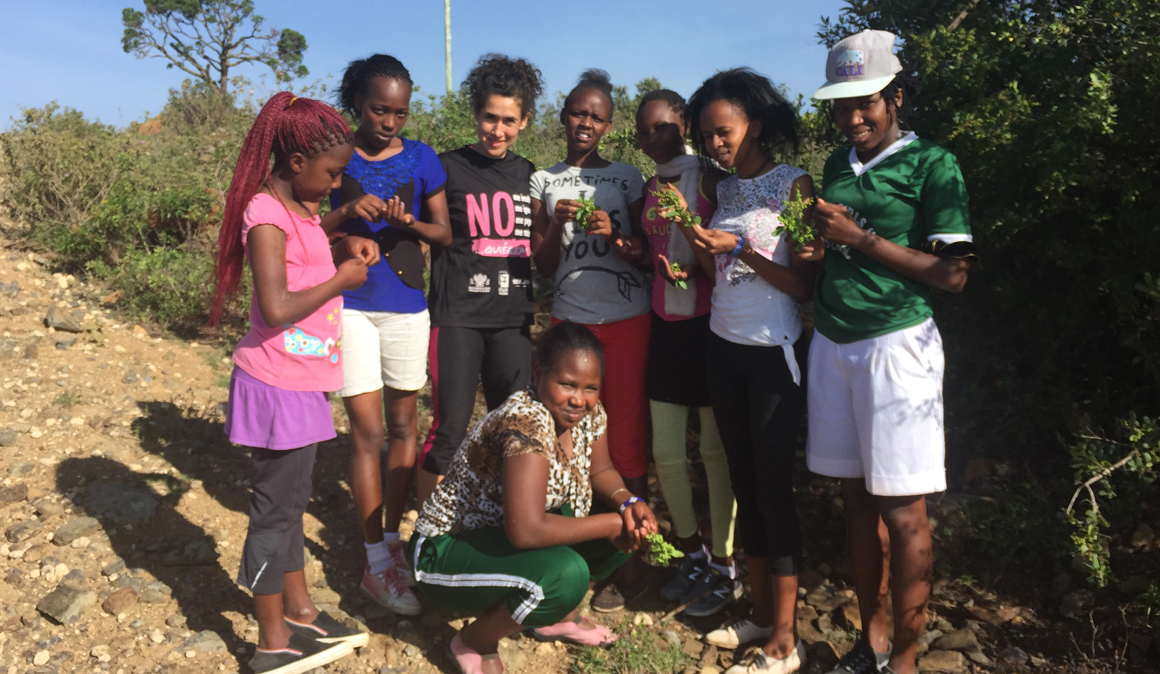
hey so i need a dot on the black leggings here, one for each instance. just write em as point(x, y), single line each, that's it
point(759, 412)
point(458, 358)
point(280, 493)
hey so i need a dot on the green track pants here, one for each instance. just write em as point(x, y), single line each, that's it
point(473, 571)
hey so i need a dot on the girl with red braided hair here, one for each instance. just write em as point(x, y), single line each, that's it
point(289, 359)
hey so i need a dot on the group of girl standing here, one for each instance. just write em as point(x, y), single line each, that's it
point(544, 499)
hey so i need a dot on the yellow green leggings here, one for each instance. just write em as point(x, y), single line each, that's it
point(669, 422)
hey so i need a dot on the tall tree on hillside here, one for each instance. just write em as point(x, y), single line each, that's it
point(208, 38)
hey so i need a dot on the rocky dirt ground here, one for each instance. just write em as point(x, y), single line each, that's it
point(123, 511)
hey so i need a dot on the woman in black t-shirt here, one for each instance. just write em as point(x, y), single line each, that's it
point(481, 284)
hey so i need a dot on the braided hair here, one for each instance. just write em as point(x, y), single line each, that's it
point(760, 101)
point(285, 125)
point(676, 101)
point(356, 81)
point(499, 75)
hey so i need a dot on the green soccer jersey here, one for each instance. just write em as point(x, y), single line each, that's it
point(910, 193)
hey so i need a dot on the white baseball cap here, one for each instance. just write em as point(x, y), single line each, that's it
point(860, 65)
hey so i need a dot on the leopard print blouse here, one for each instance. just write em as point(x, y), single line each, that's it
point(471, 496)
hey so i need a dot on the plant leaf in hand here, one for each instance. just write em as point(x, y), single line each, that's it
point(587, 208)
point(659, 552)
point(676, 267)
point(792, 224)
point(668, 200)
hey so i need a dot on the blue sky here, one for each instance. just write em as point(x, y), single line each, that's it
point(69, 51)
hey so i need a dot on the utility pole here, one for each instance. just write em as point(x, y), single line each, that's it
point(447, 39)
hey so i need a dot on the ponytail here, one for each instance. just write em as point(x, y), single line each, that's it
point(285, 125)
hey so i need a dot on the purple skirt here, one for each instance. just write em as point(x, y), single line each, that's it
point(261, 415)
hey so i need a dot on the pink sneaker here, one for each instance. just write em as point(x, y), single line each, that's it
point(390, 592)
point(398, 550)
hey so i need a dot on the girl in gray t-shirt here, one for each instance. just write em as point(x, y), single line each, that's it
point(598, 271)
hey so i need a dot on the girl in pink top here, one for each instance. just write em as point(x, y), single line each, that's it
point(676, 363)
point(289, 359)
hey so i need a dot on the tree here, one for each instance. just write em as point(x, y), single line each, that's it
point(208, 38)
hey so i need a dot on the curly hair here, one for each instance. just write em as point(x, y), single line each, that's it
point(593, 78)
point(356, 80)
point(676, 101)
point(499, 75)
point(285, 125)
point(756, 96)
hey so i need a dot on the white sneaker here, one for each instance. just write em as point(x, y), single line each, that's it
point(389, 591)
point(738, 634)
point(398, 550)
point(757, 662)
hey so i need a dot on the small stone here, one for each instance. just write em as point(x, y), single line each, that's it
point(546, 648)
point(63, 343)
point(80, 543)
point(101, 653)
point(19, 468)
point(978, 657)
point(156, 636)
point(952, 662)
point(118, 602)
point(643, 619)
point(59, 320)
point(8, 437)
point(693, 648)
point(153, 597)
point(1013, 656)
point(74, 529)
point(115, 566)
point(176, 620)
point(30, 351)
point(671, 637)
point(959, 640)
point(47, 507)
point(1143, 537)
point(139, 331)
point(40, 659)
point(13, 494)
point(411, 651)
point(129, 378)
point(206, 641)
point(34, 553)
point(65, 604)
point(23, 531)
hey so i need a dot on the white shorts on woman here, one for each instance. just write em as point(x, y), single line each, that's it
point(876, 411)
point(384, 348)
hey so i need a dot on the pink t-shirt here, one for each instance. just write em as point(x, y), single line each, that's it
point(657, 230)
point(306, 355)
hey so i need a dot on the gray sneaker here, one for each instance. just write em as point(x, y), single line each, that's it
point(685, 578)
point(713, 592)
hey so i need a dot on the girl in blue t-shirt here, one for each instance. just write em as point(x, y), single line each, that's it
point(395, 186)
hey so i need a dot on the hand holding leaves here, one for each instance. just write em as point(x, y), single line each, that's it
point(587, 208)
point(793, 225)
point(670, 202)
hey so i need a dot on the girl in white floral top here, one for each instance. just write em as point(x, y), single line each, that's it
point(754, 362)
point(510, 533)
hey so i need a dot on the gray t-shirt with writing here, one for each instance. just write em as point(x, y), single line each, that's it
point(593, 285)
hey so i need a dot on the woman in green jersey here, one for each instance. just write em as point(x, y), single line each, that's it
point(893, 213)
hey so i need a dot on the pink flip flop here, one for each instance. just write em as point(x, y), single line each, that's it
point(470, 662)
point(570, 632)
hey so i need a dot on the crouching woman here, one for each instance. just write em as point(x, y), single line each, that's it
point(512, 533)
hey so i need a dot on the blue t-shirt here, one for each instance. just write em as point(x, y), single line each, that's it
point(416, 170)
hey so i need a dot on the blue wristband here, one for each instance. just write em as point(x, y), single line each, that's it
point(627, 502)
point(740, 246)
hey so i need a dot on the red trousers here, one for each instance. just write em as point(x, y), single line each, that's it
point(623, 392)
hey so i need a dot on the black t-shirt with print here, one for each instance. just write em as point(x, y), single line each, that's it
point(484, 278)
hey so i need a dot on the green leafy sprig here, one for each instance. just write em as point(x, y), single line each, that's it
point(674, 212)
point(676, 267)
point(659, 551)
point(587, 208)
point(792, 224)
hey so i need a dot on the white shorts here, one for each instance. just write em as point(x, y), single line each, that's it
point(383, 348)
point(876, 411)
